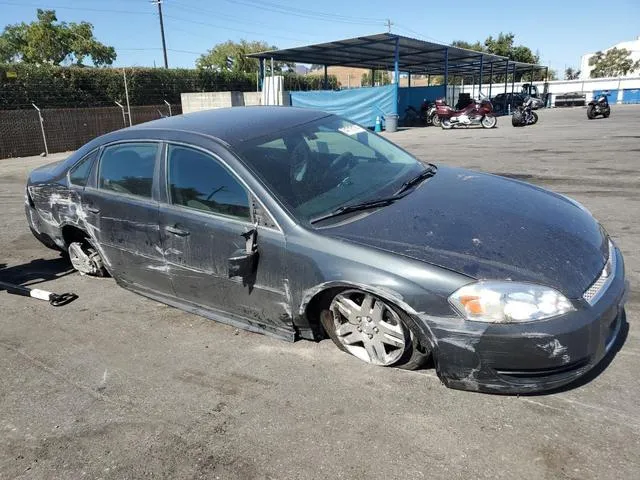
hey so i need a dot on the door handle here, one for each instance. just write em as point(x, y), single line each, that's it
point(93, 210)
point(176, 231)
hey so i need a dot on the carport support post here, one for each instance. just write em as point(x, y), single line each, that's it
point(513, 81)
point(396, 74)
point(506, 80)
point(409, 79)
point(481, 73)
point(490, 78)
point(373, 77)
point(326, 78)
point(261, 81)
point(446, 73)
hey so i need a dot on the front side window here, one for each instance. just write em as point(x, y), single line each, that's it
point(128, 168)
point(79, 174)
point(327, 164)
point(199, 181)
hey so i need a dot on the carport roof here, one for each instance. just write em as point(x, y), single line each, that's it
point(378, 52)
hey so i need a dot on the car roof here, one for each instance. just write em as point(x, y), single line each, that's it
point(235, 125)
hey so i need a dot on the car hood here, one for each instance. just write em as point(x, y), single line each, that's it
point(487, 227)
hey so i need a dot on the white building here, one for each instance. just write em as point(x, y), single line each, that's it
point(633, 46)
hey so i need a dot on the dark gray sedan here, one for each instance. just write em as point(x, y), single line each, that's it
point(301, 224)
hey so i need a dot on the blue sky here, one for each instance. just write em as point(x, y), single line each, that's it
point(560, 30)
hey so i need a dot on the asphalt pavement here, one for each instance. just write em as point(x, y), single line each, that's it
point(114, 385)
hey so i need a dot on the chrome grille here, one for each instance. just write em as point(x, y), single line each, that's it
point(597, 289)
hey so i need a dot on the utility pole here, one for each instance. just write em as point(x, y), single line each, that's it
point(389, 23)
point(164, 44)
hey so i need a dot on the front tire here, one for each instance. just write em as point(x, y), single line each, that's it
point(435, 121)
point(591, 112)
point(373, 330)
point(534, 115)
point(489, 121)
point(516, 119)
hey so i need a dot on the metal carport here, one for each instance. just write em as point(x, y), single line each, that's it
point(388, 51)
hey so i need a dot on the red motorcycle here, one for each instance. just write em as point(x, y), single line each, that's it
point(475, 113)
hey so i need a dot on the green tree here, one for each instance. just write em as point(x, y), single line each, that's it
point(47, 41)
point(612, 63)
point(232, 56)
point(571, 74)
point(478, 47)
point(381, 78)
point(503, 45)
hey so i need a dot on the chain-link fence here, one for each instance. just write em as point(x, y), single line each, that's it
point(66, 128)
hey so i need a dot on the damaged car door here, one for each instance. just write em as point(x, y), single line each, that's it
point(122, 208)
point(218, 256)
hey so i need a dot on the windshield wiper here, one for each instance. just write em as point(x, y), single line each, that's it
point(428, 172)
point(379, 202)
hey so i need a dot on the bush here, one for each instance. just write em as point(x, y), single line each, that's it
point(50, 86)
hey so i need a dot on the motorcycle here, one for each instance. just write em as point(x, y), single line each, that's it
point(476, 113)
point(430, 113)
point(524, 114)
point(426, 115)
point(599, 106)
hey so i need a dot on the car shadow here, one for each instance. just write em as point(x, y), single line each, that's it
point(596, 370)
point(36, 271)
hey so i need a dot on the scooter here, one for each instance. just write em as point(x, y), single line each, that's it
point(599, 106)
point(524, 114)
point(476, 113)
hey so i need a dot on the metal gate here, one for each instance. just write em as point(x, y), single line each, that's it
point(631, 95)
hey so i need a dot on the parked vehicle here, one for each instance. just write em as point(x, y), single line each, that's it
point(524, 115)
point(476, 113)
point(539, 99)
point(599, 106)
point(301, 224)
point(502, 100)
point(425, 116)
point(430, 113)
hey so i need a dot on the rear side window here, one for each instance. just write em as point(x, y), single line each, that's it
point(79, 174)
point(128, 168)
point(199, 181)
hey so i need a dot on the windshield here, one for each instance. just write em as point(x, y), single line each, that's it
point(320, 166)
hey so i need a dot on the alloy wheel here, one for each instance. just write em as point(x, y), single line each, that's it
point(368, 328)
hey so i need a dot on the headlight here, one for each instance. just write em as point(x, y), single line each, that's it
point(508, 302)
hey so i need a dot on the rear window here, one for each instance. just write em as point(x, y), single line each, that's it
point(79, 174)
point(128, 168)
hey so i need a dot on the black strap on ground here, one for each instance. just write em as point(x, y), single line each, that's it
point(57, 300)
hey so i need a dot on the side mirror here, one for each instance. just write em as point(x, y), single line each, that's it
point(243, 262)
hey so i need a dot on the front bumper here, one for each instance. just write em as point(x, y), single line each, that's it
point(529, 357)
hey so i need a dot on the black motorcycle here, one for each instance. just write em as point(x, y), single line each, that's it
point(425, 116)
point(524, 114)
point(599, 106)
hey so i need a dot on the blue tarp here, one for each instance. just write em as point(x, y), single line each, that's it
point(360, 105)
point(414, 96)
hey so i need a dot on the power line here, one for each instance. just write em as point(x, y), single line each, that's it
point(296, 12)
point(226, 28)
point(240, 20)
point(86, 9)
point(314, 13)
